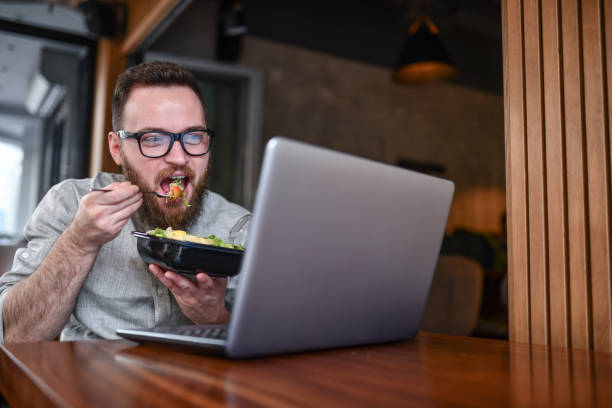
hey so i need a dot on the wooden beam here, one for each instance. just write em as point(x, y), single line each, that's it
point(143, 17)
point(109, 64)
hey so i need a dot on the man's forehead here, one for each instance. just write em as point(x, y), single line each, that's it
point(177, 107)
point(143, 91)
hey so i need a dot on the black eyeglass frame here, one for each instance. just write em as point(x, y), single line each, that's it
point(124, 134)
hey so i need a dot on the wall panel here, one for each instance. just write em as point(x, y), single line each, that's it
point(607, 59)
point(578, 245)
point(597, 148)
point(516, 174)
point(536, 163)
point(555, 174)
point(563, 123)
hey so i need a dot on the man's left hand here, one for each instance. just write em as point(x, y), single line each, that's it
point(203, 301)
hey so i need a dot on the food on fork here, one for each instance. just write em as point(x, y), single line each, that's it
point(176, 191)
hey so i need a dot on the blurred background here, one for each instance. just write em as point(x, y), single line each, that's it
point(416, 84)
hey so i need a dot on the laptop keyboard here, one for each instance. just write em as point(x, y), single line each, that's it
point(209, 332)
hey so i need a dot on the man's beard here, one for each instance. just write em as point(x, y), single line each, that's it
point(154, 210)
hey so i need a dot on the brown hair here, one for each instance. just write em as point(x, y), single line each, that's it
point(156, 73)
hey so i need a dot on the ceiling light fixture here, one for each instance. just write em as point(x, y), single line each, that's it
point(423, 58)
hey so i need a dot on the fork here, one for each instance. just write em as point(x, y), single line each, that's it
point(144, 192)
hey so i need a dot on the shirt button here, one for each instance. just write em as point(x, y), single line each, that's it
point(161, 290)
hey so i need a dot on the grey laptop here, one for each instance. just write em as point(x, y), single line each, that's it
point(341, 252)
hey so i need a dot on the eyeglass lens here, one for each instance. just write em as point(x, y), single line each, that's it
point(157, 144)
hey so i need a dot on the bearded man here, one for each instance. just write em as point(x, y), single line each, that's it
point(80, 276)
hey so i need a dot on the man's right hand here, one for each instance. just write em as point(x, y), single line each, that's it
point(103, 214)
point(56, 284)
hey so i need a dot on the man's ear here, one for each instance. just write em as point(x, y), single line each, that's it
point(114, 145)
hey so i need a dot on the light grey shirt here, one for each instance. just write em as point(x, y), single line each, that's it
point(119, 291)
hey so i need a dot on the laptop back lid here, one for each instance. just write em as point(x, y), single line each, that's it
point(342, 251)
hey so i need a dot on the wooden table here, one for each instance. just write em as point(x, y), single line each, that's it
point(431, 370)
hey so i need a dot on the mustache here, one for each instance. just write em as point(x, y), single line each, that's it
point(171, 170)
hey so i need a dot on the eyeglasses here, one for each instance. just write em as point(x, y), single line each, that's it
point(157, 143)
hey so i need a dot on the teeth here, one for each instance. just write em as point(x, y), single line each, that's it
point(178, 177)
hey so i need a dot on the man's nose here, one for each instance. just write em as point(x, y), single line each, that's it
point(177, 155)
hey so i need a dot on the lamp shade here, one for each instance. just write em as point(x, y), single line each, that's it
point(423, 57)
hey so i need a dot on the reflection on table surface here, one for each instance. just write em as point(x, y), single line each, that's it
point(430, 370)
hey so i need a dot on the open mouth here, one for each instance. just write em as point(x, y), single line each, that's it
point(164, 185)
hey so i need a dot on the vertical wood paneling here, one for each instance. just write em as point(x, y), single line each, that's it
point(555, 176)
point(597, 147)
point(607, 25)
point(516, 174)
point(579, 299)
point(536, 162)
point(557, 70)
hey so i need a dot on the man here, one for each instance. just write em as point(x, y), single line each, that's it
point(80, 275)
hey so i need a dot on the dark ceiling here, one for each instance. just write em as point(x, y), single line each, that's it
point(373, 31)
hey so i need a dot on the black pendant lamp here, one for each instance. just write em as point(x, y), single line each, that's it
point(423, 58)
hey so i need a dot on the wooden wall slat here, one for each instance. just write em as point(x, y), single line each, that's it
point(608, 60)
point(536, 167)
point(555, 176)
point(597, 171)
point(580, 316)
point(557, 70)
point(516, 184)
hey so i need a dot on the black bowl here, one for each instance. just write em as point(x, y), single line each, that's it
point(188, 257)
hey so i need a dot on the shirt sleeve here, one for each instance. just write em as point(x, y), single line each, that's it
point(52, 216)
